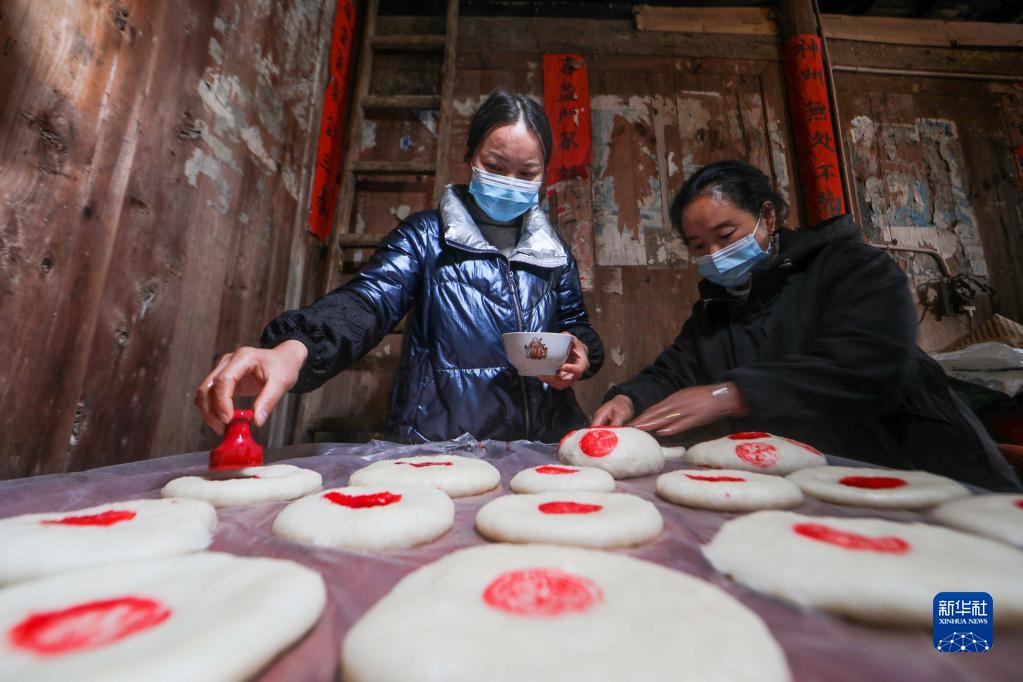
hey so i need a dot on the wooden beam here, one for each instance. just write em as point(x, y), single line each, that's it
point(848, 54)
point(399, 102)
point(396, 167)
point(797, 18)
point(743, 20)
point(407, 43)
point(480, 36)
point(922, 32)
point(351, 240)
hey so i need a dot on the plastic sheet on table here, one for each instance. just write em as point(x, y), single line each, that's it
point(819, 647)
point(995, 366)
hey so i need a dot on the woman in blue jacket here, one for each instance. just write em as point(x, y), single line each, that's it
point(486, 262)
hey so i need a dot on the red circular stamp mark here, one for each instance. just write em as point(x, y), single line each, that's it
point(553, 470)
point(872, 482)
point(598, 443)
point(716, 479)
point(420, 465)
point(887, 544)
point(1019, 503)
point(381, 499)
point(567, 507)
point(808, 448)
point(107, 518)
point(749, 435)
point(87, 626)
point(543, 592)
point(760, 455)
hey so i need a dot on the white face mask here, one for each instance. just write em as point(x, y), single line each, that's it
point(501, 197)
point(733, 265)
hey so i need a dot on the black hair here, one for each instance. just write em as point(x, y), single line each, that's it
point(504, 107)
point(744, 185)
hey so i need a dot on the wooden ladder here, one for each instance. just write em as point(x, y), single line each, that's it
point(310, 418)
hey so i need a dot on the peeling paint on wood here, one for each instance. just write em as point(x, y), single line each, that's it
point(626, 188)
point(911, 184)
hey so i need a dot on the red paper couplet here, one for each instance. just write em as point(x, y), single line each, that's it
point(327, 178)
point(566, 96)
point(815, 136)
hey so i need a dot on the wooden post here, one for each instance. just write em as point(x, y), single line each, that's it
point(816, 138)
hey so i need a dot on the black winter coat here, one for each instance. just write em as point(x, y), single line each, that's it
point(824, 350)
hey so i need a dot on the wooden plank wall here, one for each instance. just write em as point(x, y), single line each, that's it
point(154, 158)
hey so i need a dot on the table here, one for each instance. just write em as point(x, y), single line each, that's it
point(819, 647)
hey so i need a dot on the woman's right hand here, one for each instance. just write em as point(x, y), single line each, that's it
point(615, 412)
point(265, 373)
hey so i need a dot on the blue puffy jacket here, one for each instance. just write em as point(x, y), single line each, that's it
point(463, 293)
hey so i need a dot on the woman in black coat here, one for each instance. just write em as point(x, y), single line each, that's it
point(809, 334)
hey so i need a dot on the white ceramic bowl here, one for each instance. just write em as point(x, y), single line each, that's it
point(537, 353)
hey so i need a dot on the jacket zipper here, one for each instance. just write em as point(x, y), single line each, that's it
point(506, 267)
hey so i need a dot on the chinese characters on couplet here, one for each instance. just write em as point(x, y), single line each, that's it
point(567, 101)
point(816, 147)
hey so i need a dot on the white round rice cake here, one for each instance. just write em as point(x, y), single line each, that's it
point(582, 519)
point(728, 490)
point(674, 452)
point(35, 545)
point(879, 488)
point(453, 474)
point(872, 570)
point(622, 451)
point(250, 485)
point(205, 616)
point(507, 613)
point(553, 477)
point(998, 516)
point(755, 451)
point(373, 519)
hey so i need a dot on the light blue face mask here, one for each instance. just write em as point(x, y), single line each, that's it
point(732, 266)
point(503, 198)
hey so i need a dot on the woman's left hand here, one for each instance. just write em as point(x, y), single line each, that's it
point(575, 366)
point(689, 408)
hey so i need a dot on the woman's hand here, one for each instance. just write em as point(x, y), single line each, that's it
point(614, 412)
point(265, 373)
point(575, 366)
point(689, 408)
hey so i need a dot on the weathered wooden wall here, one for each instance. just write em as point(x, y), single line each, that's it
point(153, 160)
point(933, 165)
point(662, 105)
